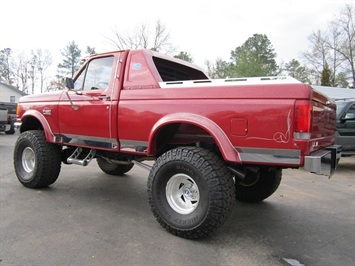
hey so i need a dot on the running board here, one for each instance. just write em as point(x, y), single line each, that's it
point(83, 162)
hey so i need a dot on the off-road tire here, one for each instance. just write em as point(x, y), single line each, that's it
point(113, 168)
point(11, 131)
point(259, 188)
point(37, 163)
point(191, 192)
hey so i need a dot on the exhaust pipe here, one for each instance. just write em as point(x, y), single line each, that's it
point(238, 174)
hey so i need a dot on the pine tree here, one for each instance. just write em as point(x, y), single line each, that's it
point(71, 61)
point(256, 57)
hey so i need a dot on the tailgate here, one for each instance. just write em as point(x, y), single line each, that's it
point(3, 114)
point(323, 120)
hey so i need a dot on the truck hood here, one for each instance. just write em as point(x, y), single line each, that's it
point(43, 97)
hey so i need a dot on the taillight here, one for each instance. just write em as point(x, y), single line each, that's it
point(303, 119)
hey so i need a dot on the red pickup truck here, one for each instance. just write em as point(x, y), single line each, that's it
point(212, 141)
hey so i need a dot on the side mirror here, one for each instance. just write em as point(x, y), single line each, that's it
point(69, 83)
point(349, 116)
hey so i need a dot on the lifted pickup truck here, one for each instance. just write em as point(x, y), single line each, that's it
point(211, 140)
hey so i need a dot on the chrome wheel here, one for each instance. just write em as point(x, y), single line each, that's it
point(28, 160)
point(36, 162)
point(190, 191)
point(182, 194)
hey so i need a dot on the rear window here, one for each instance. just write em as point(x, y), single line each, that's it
point(171, 71)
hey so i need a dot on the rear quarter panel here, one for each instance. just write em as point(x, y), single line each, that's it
point(251, 116)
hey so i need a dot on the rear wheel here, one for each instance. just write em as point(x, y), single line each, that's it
point(258, 186)
point(11, 130)
point(113, 168)
point(191, 192)
point(37, 163)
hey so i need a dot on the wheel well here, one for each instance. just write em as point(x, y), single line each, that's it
point(182, 134)
point(30, 123)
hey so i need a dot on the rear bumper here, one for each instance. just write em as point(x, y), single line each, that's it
point(17, 124)
point(323, 162)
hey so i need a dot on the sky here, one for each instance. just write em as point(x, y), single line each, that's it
point(206, 29)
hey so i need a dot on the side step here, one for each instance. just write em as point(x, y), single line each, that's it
point(74, 158)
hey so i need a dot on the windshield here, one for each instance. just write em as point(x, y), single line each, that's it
point(340, 106)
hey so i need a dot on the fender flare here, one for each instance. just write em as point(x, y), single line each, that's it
point(225, 146)
point(42, 120)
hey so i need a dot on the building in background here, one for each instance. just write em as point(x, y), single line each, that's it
point(9, 93)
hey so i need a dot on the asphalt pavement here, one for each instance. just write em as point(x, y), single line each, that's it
point(90, 218)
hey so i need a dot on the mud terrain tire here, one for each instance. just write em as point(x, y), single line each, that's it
point(113, 168)
point(258, 188)
point(191, 192)
point(37, 163)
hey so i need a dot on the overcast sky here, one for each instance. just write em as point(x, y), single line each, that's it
point(207, 29)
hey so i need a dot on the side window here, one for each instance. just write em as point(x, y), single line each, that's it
point(352, 109)
point(350, 112)
point(78, 84)
point(96, 76)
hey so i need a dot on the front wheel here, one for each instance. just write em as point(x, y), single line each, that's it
point(191, 192)
point(258, 186)
point(37, 163)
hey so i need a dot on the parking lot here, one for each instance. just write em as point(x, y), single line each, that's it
point(90, 218)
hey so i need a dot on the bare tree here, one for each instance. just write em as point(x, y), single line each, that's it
point(317, 56)
point(6, 73)
point(161, 37)
point(344, 45)
point(21, 71)
point(333, 43)
point(333, 50)
point(55, 85)
point(142, 37)
point(32, 72)
point(43, 62)
point(137, 39)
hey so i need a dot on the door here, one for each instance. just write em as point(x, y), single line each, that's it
point(85, 112)
point(346, 128)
